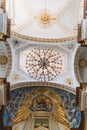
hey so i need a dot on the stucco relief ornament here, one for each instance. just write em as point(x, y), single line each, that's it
point(16, 42)
point(71, 46)
point(69, 81)
point(44, 18)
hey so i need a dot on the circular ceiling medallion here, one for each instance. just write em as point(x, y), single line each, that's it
point(44, 18)
point(44, 64)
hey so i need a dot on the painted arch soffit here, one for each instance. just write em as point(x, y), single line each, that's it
point(5, 59)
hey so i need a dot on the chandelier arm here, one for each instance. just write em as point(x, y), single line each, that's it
point(33, 57)
point(40, 62)
point(52, 73)
point(37, 54)
point(53, 56)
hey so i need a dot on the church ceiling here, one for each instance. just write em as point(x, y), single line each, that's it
point(42, 50)
point(35, 61)
point(50, 59)
point(43, 64)
point(41, 19)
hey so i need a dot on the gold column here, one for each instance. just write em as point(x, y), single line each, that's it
point(85, 120)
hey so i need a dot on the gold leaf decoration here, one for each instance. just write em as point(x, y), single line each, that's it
point(58, 112)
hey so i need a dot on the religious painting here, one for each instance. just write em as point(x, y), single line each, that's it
point(41, 103)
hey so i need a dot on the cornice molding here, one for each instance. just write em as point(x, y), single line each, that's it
point(45, 84)
point(47, 40)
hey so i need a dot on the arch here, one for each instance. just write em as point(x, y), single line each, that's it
point(9, 63)
point(35, 39)
point(76, 66)
point(45, 84)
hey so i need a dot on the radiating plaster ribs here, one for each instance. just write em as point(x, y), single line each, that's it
point(63, 9)
point(64, 27)
point(23, 25)
point(27, 7)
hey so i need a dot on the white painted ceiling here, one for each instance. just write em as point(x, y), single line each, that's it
point(64, 17)
point(22, 47)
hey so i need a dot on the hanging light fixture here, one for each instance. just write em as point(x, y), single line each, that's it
point(44, 64)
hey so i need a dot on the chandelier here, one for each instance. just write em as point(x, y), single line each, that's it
point(44, 64)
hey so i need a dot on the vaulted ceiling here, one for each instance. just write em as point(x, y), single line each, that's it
point(51, 62)
point(43, 40)
point(45, 19)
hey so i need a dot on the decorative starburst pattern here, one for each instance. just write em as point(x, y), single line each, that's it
point(44, 64)
point(44, 19)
